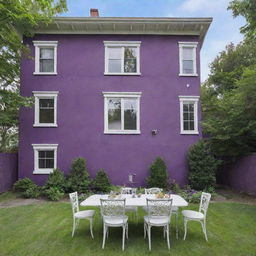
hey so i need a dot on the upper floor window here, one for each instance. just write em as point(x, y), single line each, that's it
point(45, 109)
point(189, 114)
point(122, 112)
point(45, 158)
point(45, 57)
point(122, 58)
point(187, 53)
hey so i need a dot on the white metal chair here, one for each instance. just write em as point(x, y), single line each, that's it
point(153, 190)
point(159, 215)
point(78, 215)
point(134, 209)
point(199, 216)
point(113, 214)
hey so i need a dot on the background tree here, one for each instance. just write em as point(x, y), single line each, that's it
point(247, 9)
point(17, 18)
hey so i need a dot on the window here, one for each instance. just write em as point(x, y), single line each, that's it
point(187, 52)
point(45, 57)
point(122, 112)
point(122, 58)
point(45, 109)
point(45, 158)
point(189, 114)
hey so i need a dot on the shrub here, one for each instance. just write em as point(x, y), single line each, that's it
point(32, 192)
point(202, 166)
point(53, 194)
point(57, 180)
point(158, 174)
point(78, 179)
point(23, 184)
point(101, 182)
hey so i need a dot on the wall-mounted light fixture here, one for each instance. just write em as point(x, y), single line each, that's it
point(154, 132)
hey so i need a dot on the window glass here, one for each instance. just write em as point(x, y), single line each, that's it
point(188, 116)
point(46, 159)
point(46, 110)
point(46, 59)
point(114, 114)
point(114, 59)
point(130, 56)
point(130, 114)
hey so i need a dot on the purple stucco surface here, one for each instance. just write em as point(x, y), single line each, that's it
point(241, 175)
point(80, 82)
point(8, 170)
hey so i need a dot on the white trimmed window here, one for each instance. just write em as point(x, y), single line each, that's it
point(122, 58)
point(45, 57)
point(187, 53)
point(45, 108)
point(45, 158)
point(122, 112)
point(189, 114)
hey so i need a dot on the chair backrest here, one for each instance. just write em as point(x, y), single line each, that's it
point(74, 202)
point(128, 190)
point(112, 207)
point(204, 202)
point(152, 190)
point(159, 207)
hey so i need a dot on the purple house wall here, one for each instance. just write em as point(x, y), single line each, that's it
point(80, 82)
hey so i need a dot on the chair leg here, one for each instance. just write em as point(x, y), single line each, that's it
point(168, 238)
point(107, 232)
point(177, 231)
point(203, 224)
point(185, 228)
point(104, 236)
point(123, 237)
point(164, 231)
point(149, 237)
point(91, 221)
point(127, 231)
point(145, 230)
point(74, 227)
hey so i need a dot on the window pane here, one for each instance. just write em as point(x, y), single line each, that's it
point(46, 111)
point(41, 163)
point(49, 163)
point(186, 126)
point(130, 114)
point(114, 53)
point(46, 65)
point(46, 159)
point(188, 116)
point(114, 66)
point(42, 154)
point(49, 154)
point(187, 53)
point(130, 60)
point(47, 53)
point(114, 114)
point(188, 67)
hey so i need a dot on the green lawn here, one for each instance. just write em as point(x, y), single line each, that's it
point(45, 229)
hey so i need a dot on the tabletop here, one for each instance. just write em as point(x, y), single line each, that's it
point(94, 200)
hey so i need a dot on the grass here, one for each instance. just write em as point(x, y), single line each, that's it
point(45, 229)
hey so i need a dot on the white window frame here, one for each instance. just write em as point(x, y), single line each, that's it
point(45, 95)
point(194, 100)
point(37, 148)
point(122, 44)
point(45, 44)
point(192, 45)
point(121, 95)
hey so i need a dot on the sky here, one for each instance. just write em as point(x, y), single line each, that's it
point(223, 30)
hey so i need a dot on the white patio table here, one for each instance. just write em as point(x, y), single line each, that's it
point(94, 200)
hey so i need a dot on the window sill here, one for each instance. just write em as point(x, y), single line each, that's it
point(122, 74)
point(188, 74)
point(45, 73)
point(122, 132)
point(189, 133)
point(45, 171)
point(45, 125)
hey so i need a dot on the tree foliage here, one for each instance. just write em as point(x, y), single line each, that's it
point(247, 9)
point(17, 18)
point(101, 183)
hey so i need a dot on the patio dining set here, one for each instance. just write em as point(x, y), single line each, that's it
point(158, 208)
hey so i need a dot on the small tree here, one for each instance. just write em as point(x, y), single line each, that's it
point(101, 182)
point(78, 179)
point(202, 166)
point(158, 174)
point(56, 180)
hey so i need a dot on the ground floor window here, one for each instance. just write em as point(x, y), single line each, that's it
point(45, 158)
point(189, 114)
point(122, 112)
